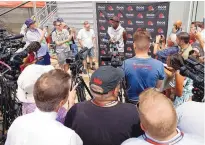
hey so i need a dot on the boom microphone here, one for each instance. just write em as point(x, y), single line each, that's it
point(14, 37)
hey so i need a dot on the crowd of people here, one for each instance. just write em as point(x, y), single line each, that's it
point(158, 107)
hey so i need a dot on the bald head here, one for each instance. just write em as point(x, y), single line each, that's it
point(157, 114)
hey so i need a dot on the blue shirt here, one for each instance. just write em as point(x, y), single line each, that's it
point(141, 73)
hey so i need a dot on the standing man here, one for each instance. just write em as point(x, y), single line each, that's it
point(86, 38)
point(142, 71)
point(61, 38)
point(117, 33)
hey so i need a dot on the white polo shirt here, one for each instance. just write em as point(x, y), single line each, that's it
point(186, 139)
point(191, 117)
point(40, 128)
point(86, 37)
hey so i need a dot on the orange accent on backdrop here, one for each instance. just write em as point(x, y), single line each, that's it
point(11, 4)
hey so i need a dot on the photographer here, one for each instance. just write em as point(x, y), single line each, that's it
point(181, 86)
point(35, 34)
point(104, 120)
point(142, 71)
point(117, 33)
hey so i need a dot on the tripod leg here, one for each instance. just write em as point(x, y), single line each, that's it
point(86, 87)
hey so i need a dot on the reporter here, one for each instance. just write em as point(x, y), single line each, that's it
point(104, 120)
point(40, 127)
point(181, 86)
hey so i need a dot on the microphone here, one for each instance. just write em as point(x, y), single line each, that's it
point(14, 37)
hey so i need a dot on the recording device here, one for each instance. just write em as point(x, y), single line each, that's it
point(195, 70)
point(114, 58)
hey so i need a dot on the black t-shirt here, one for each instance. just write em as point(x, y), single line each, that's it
point(104, 125)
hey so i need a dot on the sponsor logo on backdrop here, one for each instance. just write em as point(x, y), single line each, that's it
point(119, 8)
point(128, 54)
point(102, 28)
point(138, 29)
point(140, 15)
point(139, 8)
point(129, 49)
point(161, 15)
point(103, 46)
point(110, 21)
point(130, 8)
point(160, 31)
point(110, 8)
point(129, 15)
point(129, 22)
point(129, 36)
point(139, 22)
point(129, 29)
point(150, 8)
point(110, 15)
point(122, 22)
point(129, 42)
point(101, 7)
point(162, 8)
point(102, 63)
point(150, 23)
point(120, 15)
point(150, 15)
point(102, 52)
point(161, 23)
point(102, 34)
point(102, 21)
point(102, 15)
point(150, 30)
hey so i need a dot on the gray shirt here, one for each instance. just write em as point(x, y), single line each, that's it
point(61, 36)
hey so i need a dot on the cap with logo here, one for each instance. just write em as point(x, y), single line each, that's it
point(29, 22)
point(106, 78)
point(27, 79)
point(115, 18)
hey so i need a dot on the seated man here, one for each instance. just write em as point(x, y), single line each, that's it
point(40, 127)
point(191, 118)
point(159, 121)
point(104, 120)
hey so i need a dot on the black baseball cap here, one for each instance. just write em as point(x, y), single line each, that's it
point(115, 18)
point(105, 79)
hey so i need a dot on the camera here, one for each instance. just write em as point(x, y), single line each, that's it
point(195, 70)
point(114, 58)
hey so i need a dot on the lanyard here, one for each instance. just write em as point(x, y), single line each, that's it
point(170, 143)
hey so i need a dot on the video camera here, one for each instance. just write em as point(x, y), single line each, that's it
point(195, 70)
point(114, 58)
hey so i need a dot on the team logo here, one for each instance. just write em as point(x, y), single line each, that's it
point(129, 29)
point(129, 42)
point(103, 46)
point(102, 28)
point(119, 8)
point(110, 8)
point(150, 30)
point(129, 36)
point(122, 22)
point(150, 15)
point(102, 34)
point(150, 23)
point(150, 8)
point(110, 15)
point(102, 52)
point(162, 8)
point(161, 15)
point(129, 22)
point(139, 22)
point(130, 8)
point(101, 7)
point(102, 21)
point(102, 15)
point(140, 15)
point(129, 15)
point(128, 54)
point(129, 49)
point(139, 8)
point(161, 23)
point(120, 15)
point(160, 31)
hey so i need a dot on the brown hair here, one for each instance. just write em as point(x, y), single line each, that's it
point(50, 89)
point(157, 114)
point(184, 36)
point(142, 39)
point(33, 46)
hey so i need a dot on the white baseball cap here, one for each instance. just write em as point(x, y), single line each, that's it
point(27, 80)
